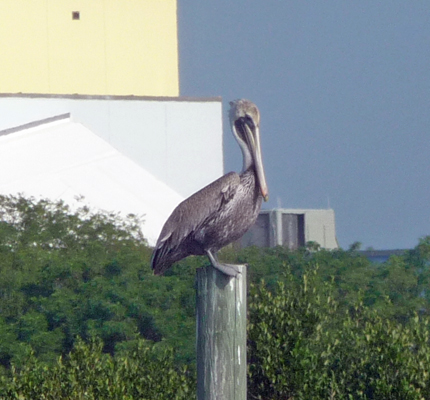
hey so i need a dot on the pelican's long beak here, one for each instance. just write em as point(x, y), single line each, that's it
point(255, 148)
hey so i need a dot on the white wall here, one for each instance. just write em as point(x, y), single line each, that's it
point(178, 140)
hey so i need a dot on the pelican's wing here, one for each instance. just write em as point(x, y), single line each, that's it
point(190, 215)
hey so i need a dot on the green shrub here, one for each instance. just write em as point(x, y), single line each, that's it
point(326, 324)
point(144, 372)
point(301, 347)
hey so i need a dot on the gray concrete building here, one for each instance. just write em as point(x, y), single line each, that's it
point(292, 228)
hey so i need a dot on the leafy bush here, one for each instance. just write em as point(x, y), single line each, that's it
point(301, 347)
point(143, 372)
point(323, 324)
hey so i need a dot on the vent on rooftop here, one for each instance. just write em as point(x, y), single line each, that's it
point(76, 15)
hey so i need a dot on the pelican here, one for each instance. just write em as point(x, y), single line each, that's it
point(223, 211)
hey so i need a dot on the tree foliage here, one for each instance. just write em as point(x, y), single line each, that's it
point(302, 347)
point(67, 274)
point(82, 316)
point(402, 280)
point(142, 372)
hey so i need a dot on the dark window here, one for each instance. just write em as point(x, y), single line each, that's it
point(76, 15)
point(293, 230)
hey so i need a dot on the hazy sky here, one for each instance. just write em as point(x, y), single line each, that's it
point(343, 89)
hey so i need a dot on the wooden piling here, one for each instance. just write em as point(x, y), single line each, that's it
point(221, 335)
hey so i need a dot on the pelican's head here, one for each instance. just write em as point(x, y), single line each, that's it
point(245, 124)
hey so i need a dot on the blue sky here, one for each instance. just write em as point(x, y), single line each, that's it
point(344, 93)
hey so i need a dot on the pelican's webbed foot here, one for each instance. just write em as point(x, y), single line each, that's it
point(227, 269)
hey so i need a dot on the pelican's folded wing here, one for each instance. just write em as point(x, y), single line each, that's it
point(192, 213)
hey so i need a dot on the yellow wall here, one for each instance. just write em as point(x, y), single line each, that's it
point(117, 47)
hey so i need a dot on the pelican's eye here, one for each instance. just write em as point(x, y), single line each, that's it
point(250, 122)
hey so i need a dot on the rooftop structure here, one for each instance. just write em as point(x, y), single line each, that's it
point(292, 228)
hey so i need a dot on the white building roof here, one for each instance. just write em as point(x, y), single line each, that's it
point(62, 159)
point(178, 140)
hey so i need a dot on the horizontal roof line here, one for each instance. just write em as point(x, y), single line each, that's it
point(112, 97)
point(382, 253)
point(34, 124)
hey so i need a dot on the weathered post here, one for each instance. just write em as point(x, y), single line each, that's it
point(221, 335)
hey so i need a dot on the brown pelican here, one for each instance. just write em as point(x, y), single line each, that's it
point(223, 211)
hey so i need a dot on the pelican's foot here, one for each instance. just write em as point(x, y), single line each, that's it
point(227, 269)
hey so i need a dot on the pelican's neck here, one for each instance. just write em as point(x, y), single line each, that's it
point(247, 158)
